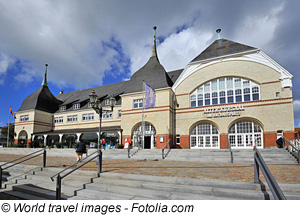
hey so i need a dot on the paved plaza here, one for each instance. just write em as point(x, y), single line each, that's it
point(212, 171)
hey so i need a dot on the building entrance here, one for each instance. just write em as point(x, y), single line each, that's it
point(147, 142)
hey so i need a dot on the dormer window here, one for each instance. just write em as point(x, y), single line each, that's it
point(76, 106)
point(90, 105)
point(63, 108)
point(107, 102)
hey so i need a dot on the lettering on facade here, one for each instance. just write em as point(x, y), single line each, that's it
point(224, 111)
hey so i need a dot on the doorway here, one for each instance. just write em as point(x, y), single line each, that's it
point(147, 142)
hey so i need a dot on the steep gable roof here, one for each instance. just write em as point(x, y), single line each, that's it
point(222, 47)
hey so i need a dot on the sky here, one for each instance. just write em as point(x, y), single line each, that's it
point(96, 42)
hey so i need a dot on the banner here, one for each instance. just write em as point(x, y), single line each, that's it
point(150, 96)
point(12, 113)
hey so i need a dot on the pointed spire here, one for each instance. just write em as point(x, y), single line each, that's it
point(44, 83)
point(154, 53)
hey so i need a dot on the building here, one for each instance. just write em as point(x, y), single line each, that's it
point(229, 94)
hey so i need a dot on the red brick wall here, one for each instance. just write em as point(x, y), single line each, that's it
point(270, 139)
point(289, 135)
point(223, 141)
point(184, 142)
point(166, 137)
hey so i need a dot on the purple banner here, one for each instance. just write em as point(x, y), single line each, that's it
point(150, 96)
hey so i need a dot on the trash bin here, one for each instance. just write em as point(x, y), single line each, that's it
point(279, 142)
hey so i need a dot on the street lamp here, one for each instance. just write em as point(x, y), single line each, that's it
point(97, 106)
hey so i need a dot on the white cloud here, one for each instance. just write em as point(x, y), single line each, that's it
point(5, 63)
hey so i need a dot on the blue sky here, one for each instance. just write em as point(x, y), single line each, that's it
point(90, 43)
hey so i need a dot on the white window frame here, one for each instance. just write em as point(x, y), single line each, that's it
point(63, 108)
point(24, 118)
point(72, 118)
point(76, 106)
point(206, 91)
point(58, 120)
point(88, 117)
point(107, 102)
point(119, 113)
point(207, 139)
point(139, 103)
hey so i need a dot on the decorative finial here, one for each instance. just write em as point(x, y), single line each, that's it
point(218, 31)
point(44, 83)
point(154, 53)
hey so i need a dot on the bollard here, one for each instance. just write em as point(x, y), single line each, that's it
point(44, 158)
point(58, 187)
point(1, 177)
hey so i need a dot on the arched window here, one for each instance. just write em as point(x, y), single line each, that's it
point(244, 134)
point(225, 91)
point(204, 135)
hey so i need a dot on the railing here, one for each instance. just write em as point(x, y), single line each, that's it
point(294, 148)
point(27, 158)
point(260, 163)
point(163, 149)
point(59, 177)
point(231, 154)
point(131, 147)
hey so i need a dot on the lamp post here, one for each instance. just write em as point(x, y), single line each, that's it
point(97, 106)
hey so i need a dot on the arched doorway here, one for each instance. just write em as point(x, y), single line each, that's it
point(244, 134)
point(22, 139)
point(149, 136)
point(204, 135)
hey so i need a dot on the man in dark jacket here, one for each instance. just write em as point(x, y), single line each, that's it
point(80, 149)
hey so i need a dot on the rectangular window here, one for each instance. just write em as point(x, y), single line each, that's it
point(214, 98)
point(90, 105)
point(24, 118)
point(230, 96)
point(200, 100)
point(178, 139)
point(107, 115)
point(246, 83)
point(137, 103)
point(222, 97)
point(107, 102)
point(72, 118)
point(59, 119)
point(87, 116)
point(246, 94)
point(277, 94)
point(238, 95)
point(229, 83)
point(76, 106)
point(119, 113)
point(207, 87)
point(62, 108)
point(200, 90)
point(221, 83)
point(207, 98)
point(193, 100)
point(237, 82)
point(255, 94)
point(214, 85)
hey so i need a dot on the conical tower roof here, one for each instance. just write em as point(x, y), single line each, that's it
point(152, 73)
point(42, 99)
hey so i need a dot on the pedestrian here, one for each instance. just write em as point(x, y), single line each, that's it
point(103, 143)
point(80, 149)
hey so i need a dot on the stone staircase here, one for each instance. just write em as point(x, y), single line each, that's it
point(34, 183)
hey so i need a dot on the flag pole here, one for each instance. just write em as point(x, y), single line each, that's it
point(143, 121)
point(8, 127)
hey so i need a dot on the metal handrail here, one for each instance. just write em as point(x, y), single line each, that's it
point(163, 149)
point(131, 147)
point(71, 166)
point(59, 177)
point(231, 153)
point(14, 164)
point(260, 163)
point(292, 145)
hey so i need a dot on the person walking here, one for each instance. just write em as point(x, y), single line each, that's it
point(103, 143)
point(80, 149)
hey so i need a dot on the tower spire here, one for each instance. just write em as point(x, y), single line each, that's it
point(154, 53)
point(44, 83)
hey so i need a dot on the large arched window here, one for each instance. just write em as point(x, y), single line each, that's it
point(244, 134)
point(224, 91)
point(205, 136)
